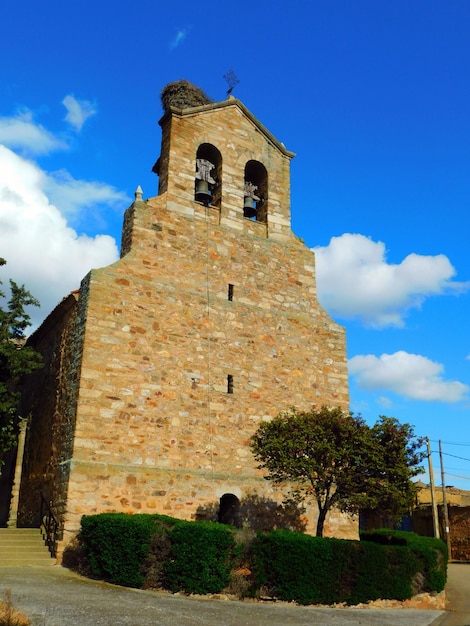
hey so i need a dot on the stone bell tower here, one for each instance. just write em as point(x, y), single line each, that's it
point(246, 169)
point(207, 325)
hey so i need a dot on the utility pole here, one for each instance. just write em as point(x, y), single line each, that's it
point(435, 517)
point(444, 502)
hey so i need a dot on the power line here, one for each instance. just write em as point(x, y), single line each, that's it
point(462, 458)
point(451, 443)
point(457, 476)
point(454, 456)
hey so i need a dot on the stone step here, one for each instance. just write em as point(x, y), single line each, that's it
point(23, 546)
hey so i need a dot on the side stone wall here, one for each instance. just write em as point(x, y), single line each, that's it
point(49, 398)
point(459, 522)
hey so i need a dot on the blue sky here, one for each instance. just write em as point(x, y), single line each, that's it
point(373, 96)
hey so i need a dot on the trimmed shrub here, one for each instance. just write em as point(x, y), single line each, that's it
point(116, 545)
point(201, 557)
point(153, 568)
point(314, 570)
point(385, 572)
point(430, 552)
point(292, 566)
point(158, 551)
point(198, 557)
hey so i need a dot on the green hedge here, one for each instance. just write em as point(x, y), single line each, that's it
point(431, 553)
point(197, 555)
point(292, 566)
point(201, 557)
point(116, 544)
point(313, 570)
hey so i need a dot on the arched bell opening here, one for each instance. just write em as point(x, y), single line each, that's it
point(208, 179)
point(229, 510)
point(255, 195)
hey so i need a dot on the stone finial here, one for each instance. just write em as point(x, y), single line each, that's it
point(138, 194)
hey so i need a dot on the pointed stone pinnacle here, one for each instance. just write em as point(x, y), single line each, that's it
point(138, 193)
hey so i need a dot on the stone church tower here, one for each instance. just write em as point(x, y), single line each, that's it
point(160, 368)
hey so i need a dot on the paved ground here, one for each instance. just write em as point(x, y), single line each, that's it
point(458, 596)
point(55, 596)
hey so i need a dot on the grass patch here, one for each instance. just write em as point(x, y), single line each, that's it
point(9, 616)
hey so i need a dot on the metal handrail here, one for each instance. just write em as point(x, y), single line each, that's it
point(49, 526)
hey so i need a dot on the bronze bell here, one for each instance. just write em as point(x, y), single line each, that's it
point(249, 207)
point(203, 193)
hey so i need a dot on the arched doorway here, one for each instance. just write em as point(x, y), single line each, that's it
point(229, 510)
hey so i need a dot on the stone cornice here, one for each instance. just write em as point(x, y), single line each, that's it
point(231, 101)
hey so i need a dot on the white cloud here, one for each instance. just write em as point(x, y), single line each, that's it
point(409, 375)
point(384, 402)
point(78, 111)
point(355, 281)
point(73, 195)
point(179, 38)
point(22, 133)
point(41, 249)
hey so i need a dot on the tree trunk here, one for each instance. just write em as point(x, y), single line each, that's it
point(322, 511)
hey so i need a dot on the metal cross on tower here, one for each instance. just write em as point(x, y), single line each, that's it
point(232, 81)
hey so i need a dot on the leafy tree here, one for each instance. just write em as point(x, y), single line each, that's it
point(339, 461)
point(394, 458)
point(16, 359)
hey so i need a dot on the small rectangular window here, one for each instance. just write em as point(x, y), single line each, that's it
point(230, 293)
point(229, 383)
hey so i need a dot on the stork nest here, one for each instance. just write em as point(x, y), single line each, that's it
point(183, 94)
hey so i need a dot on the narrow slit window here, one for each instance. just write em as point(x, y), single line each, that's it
point(230, 383)
point(230, 293)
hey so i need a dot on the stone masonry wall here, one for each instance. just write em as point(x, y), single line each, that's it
point(459, 522)
point(48, 399)
point(156, 429)
point(207, 325)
